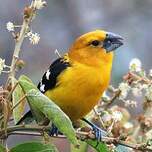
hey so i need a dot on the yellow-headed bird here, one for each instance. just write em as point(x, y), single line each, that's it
point(76, 81)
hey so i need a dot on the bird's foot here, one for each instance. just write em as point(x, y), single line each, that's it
point(54, 131)
point(99, 133)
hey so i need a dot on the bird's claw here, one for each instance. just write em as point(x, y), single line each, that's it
point(54, 131)
point(99, 133)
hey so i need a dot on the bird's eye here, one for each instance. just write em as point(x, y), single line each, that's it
point(95, 43)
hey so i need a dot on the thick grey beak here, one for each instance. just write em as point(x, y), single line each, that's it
point(112, 42)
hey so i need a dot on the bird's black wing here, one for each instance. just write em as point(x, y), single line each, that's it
point(49, 79)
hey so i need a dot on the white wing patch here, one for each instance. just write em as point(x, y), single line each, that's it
point(42, 88)
point(47, 74)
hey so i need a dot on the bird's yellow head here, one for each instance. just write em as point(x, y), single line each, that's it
point(95, 47)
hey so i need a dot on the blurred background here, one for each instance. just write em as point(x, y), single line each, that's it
point(63, 20)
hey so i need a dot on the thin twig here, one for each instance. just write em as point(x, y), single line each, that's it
point(23, 129)
point(138, 78)
point(115, 96)
point(32, 134)
point(18, 45)
point(7, 72)
point(99, 117)
point(19, 102)
point(10, 93)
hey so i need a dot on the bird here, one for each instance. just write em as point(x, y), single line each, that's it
point(77, 80)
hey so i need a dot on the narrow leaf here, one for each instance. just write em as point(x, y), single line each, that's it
point(27, 85)
point(24, 77)
point(99, 146)
point(42, 106)
point(53, 113)
point(82, 148)
point(17, 95)
point(34, 147)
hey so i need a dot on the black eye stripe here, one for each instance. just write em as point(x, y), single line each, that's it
point(95, 43)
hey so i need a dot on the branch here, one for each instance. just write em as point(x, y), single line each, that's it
point(107, 103)
point(115, 96)
point(19, 40)
point(36, 130)
point(130, 76)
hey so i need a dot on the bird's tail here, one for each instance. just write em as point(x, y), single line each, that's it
point(27, 118)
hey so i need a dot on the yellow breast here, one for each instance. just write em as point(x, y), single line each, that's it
point(79, 88)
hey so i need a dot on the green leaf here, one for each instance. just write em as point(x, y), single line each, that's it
point(2, 148)
point(25, 78)
point(99, 146)
point(17, 95)
point(34, 147)
point(82, 148)
point(27, 85)
point(53, 113)
point(43, 107)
